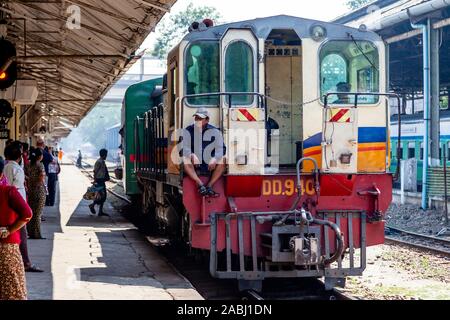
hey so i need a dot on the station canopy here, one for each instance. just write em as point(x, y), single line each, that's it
point(77, 49)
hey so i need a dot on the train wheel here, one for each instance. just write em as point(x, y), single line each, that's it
point(186, 228)
point(147, 211)
point(148, 201)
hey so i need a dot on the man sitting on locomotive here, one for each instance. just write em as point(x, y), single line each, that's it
point(343, 98)
point(199, 139)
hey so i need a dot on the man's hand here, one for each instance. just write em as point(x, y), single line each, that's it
point(212, 164)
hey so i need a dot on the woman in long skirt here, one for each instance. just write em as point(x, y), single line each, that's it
point(36, 192)
point(14, 214)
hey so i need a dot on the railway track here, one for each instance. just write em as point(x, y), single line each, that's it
point(420, 241)
point(195, 267)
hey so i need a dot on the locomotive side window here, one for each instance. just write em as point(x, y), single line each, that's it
point(349, 66)
point(239, 72)
point(202, 72)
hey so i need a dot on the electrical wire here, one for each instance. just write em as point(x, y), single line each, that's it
point(291, 104)
point(363, 53)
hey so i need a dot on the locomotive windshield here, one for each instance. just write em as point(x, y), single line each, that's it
point(239, 74)
point(202, 72)
point(349, 66)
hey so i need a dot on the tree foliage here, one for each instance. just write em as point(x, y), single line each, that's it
point(174, 27)
point(355, 4)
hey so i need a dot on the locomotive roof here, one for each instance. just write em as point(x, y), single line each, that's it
point(262, 27)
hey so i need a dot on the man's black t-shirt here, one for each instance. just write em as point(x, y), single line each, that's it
point(209, 139)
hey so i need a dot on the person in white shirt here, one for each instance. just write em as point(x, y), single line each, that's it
point(16, 177)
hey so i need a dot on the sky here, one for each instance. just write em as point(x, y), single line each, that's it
point(237, 10)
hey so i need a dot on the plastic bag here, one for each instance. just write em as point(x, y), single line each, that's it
point(92, 193)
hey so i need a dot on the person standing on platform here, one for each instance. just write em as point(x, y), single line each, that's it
point(60, 154)
point(79, 159)
point(53, 170)
point(25, 154)
point(47, 158)
point(14, 214)
point(101, 176)
point(36, 192)
point(16, 177)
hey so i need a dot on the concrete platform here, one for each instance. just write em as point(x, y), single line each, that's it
point(86, 257)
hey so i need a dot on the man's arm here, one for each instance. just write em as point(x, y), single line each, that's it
point(186, 143)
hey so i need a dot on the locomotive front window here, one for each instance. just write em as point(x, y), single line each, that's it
point(239, 72)
point(202, 72)
point(349, 66)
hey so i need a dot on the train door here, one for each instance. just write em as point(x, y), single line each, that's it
point(243, 117)
point(284, 91)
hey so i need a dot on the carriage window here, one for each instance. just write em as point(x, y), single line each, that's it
point(411, 150)
point(239, 73)
point(202, 72)
point(348, 66)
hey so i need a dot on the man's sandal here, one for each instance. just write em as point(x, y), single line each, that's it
point(203, 191)
point(33, 268)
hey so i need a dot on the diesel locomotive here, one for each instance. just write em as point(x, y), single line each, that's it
point(305, 122)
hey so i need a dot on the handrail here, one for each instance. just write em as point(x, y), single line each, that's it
point(391, 95)
point(260, 103)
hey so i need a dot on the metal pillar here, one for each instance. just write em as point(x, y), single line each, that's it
point(426, 106)
point(435, 95)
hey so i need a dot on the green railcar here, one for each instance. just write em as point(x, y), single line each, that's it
point(412, 148)
point(139, 98)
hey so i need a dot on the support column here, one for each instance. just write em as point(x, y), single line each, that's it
point(426, 106)
point(435, 95)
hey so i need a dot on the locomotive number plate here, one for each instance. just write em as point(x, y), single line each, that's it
point(287, 187)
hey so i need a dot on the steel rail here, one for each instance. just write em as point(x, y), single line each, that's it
point(445, 241)
point(417, 246)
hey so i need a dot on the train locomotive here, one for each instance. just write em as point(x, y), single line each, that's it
point(306, 128)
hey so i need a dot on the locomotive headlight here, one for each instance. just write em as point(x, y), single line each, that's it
point(2, 75)
point(318, 33)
